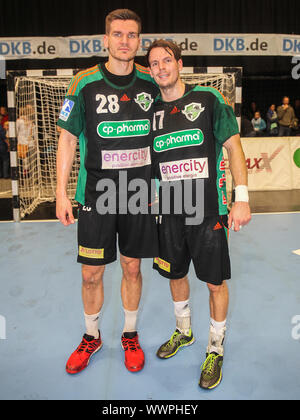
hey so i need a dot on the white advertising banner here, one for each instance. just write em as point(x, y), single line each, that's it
point(191, 44)
point(295, 151)
point(271, 163)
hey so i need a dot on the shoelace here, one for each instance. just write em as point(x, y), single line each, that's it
point(209, 364)
point(86, 346)
point(131, 343)
point(174, 338)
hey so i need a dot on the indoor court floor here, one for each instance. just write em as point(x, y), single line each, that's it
point(42, 320)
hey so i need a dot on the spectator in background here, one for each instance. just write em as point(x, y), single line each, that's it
point(272, 121)
point(253, 109)
point(297, 116)
point(286, 117)
point(4, 114)
point(25, 135)
point(250, 111)
point(259, 125)
point(4, 154)
point(247, 128)
point(297, 108)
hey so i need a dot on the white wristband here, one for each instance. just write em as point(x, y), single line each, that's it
point(241, 193)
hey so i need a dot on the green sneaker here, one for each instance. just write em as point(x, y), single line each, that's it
point(171, 347)
point(211, 374)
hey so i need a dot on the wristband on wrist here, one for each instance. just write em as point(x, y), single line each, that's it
point(241, 193)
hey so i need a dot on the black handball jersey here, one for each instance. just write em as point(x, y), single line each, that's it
point(113, 125)
point(188, 138)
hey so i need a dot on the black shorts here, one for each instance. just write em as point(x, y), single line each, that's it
point(97, 236)
point(205, 244)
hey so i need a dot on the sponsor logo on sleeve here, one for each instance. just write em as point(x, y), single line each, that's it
point(184, 169)
point(66, 109)
point(122, 159)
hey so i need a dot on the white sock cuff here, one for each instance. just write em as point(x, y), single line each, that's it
point(92, 317)
point(218, 325)
point(92, 324)
point(130, 313)
point(182, 309)
point(130, 320)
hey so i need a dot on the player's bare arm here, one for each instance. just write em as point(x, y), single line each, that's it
point(240, 213)
point(65, 158)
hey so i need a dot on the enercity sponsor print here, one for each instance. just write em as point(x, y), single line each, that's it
point(131, 128)
point(129, 158)
point(177, 139)
point(184, 169)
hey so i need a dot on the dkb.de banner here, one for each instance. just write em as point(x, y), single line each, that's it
point(273, 163)
point(191, 44)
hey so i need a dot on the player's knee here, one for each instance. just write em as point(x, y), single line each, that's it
point(92, 275)
point(213, 288)
point(131, 270)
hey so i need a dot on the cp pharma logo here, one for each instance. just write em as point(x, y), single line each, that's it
point(178, 139)
point(131, 128)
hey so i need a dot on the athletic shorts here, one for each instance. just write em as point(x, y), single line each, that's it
point(97, 236)
point(205, 244)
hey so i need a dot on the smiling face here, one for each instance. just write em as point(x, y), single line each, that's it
point(123, 40)
point(164, 68)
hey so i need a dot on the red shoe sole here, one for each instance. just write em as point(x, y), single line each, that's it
point(137, 369)
point(73, 372)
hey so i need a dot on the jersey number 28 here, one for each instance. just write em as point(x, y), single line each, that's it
point(113, 105)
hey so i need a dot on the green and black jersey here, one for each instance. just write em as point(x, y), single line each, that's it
point(111, 116)
point(188, 138)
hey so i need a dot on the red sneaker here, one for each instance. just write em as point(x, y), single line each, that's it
point(134, 355)
point(80, 358)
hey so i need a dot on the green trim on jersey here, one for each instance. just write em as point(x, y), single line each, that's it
point(111, 84)
point(73, 119)
point(86, 79)
point(145, 76)
point(82, 174)
point(210, 89)
point(137, 73)
point(224, 126)
point(222, 194)
point(221, 137)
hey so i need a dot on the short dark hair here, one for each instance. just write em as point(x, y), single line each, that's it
point(123, 14)
point(167, 45)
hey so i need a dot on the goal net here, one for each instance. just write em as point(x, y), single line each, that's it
point(38, 104)
point(38, 100)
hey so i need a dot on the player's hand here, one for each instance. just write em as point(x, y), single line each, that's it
point(239, 215)
point(64, 211)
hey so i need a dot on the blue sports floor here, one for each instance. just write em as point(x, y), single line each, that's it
point(42, 320)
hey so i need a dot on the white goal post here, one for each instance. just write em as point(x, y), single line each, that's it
point(35, 98)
